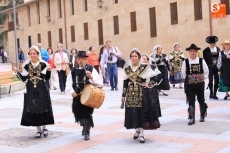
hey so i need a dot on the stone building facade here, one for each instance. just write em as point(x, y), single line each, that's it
point(127, 23)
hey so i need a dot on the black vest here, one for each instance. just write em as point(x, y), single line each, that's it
point(194, 72)
point(210, 57)
point(79, 77)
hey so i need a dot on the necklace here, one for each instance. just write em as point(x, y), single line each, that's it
point(34, 73)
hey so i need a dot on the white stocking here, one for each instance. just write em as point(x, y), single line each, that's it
point(39, 129)
point(141, 132)
point(137, 132)
point(43, 127)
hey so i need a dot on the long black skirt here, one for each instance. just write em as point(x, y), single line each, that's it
point(81, 111)
point(144, 117)
point(164, 85)
point(37, 110)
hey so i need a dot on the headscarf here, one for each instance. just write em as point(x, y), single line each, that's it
point(130, 62)
point(155, 49)
point(144, 54)
point(39, 56)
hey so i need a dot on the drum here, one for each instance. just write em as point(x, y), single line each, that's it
point(92, 96)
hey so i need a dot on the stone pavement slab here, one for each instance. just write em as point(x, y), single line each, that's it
point(109, 134)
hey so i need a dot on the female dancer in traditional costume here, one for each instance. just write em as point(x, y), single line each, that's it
point(139, 111)
point(37, 110)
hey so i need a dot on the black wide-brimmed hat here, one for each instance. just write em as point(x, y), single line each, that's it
point(193, 46)
point(211, 39)
point(81, 54)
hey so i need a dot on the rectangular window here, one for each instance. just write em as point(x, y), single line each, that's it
point(71, 7)
point(85, 5)
point(227, 5)
point(39, 38)
point(60, 36)
point(116, 25)
point(28, 16)
point(72, 34)
point(29, 41)
point(153, 25)
point(49, 39)
point(198, 9)
point(174, 15)
point(115, 1)
point(18, 42)
point(100, 32)
point(59, 9)
point(133, 21)
point(38, 13)
point(86, 33)
point(48, 7)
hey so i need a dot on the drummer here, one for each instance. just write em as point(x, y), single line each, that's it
point(81, 75)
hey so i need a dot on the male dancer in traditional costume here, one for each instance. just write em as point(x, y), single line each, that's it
point(81, 75)
point(210, 55)
point(195, 71)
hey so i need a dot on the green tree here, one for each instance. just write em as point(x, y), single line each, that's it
point(4, 16)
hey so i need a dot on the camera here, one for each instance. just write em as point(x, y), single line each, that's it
point(110, 57)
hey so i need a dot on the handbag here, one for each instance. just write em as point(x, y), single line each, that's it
point(67, 70)
point(51, 63)
point(122, 105)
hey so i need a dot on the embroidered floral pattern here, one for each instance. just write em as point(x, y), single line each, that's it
point(195, 78)
point(133, 91)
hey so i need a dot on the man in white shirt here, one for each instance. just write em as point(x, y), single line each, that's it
point(210, 55)
point(195, 71)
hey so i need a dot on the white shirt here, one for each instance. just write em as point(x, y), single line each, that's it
point(97, 80)
point(195, 61)
point(214, 49)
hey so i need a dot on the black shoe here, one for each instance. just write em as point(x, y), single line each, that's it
point(191, 121)
point(180, 87)
point(174, 85)
point(137, 133)
point(38, 135)
point(201, 118)
point(226, 97)
point(45, 134)
point(210, 96)
point(112, 89)
point(88, 125)
point(215, 97)
point(87, 137)
point(191, 115)
point(203, 112)
point(142, 141)
point(116, 88)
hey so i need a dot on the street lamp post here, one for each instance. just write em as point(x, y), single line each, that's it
point(15, 35)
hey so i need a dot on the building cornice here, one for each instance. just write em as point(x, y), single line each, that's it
point(19, 6)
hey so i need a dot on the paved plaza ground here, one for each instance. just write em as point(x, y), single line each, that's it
point(109, 134)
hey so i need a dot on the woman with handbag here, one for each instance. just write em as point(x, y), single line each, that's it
point(61, 60)
point(176, 59)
